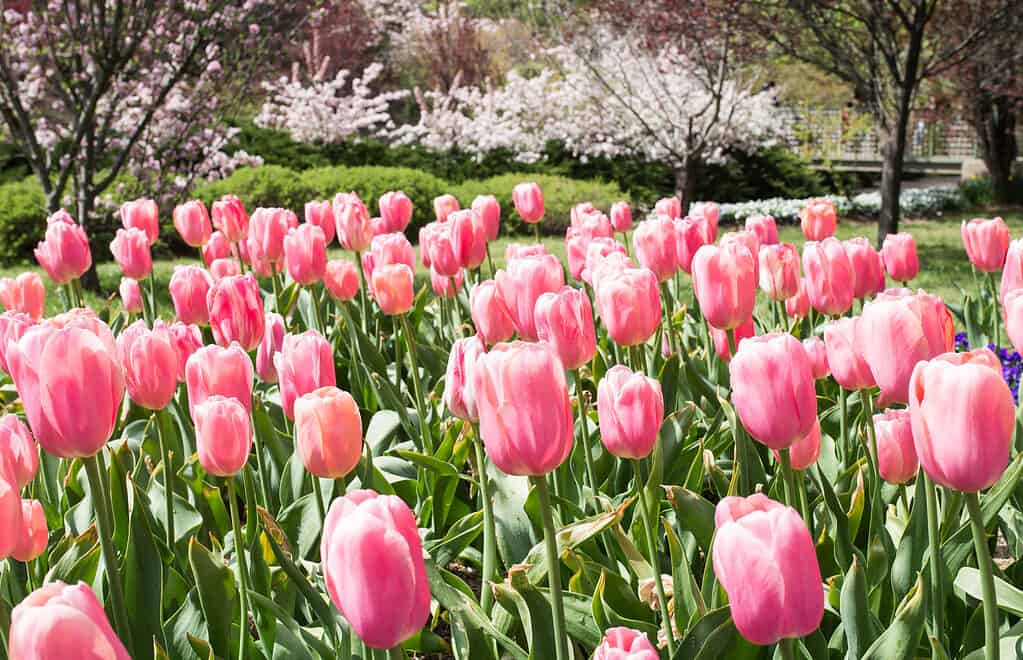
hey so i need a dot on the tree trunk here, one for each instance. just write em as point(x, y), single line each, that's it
point(995, 123)
point(891, 183)
point(84, 206)
point(686, 178)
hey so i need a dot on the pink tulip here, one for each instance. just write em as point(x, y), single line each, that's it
point(187, 340)
point(222, 268)
point(373, 565)
point(439, 241)
point(218, 247)
point(193, 223)
point(304, 363)
point(596, 252)
point(131, 295)
point(142, 214)
point(189, 286)
point(564, 320)
point(31, 538)
point(896, 455)
point(459, 385)
point(621, 216)
point(236, 311)
point(669, 206)
point(986, 242)
point(524, 382)
point(690, 236)
point(721, 342)
point(625, 644)
point(818, 354)
point(899, 255)
point(321, 214)
point(64, 253)
point(444, 206)
point(709, 212)
point(393, 288)
point(606, 264)
point(629, 304)
point(230, 218)
point(223, 435)
point(516, 250)
point(490, 314)
point(725, 284)
point(24, 293)
point(654, 242)
point(779, 270)
point(489, 211)
point(764, 558)
point(62, 621)
point(130, 248)
point(267, 229)
point(798, 306)
point(18, 449)
point(86, 319)
point(848, 367)
point(750, 240)
point(468, 236)
point(579, 237)
point(328, 432)
point(818, 220)
point(273, 341)
point(1012, 273)
point(354, 230)
point(395, 211)
point(962, 415)
point(804, 452)
point(305, 254)
point(388, 249)
point(217, 371)
point(773, 390)
point(446, 287)
point(13, 325)
point(580, 212)
point(630, 408)
point(764, 227)
point(1012, 310)
point(829, 276)
point(528, 200)
point(521, 282)
point(868, 269)
point(150, 361)
point(341, 278)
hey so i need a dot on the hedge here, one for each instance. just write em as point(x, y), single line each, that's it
point(22, 219)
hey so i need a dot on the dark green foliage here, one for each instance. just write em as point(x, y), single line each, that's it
point(270, 186)
point(22, 219)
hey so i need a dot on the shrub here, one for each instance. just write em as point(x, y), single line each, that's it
point(269, 185)
point(22, 219)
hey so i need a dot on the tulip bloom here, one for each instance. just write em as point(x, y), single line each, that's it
point(236, 311)
point(654, 244)
point(962, 415)
point(459, 386)
point(341, 277)
point(986, 242)
point(193, 223)
point(267, 229)
point(230, 218)
point(721, 342)
point(446, 287)
point(24, 293)
point(214, 370)
point(630, 409)
point(273, 341)
point(321, 214)
point(395, 211)
point(707, 214)
point(818, 220)
point(629, 304)
point(564, 320)
point(899, 254)
point(438, 242)
point(218, 247)
point(33, 534)
point(525, 415)
point(150, 363)
point(670, 207)
point(818, 354)
point(829, 276)
point(896, 454)
point(773, 390)
point(848, 367)
point(490, 313)
point(528, 200)
point(187, 340)
point(223, 435)
point(304, 363)
point(444, 206)
point(367, 536)
point(64, 252)
point(764, 227)
point(764, 557)
point(1012, 273)
point(804, 452)
point(625, 644)
point(305, 254)
point(690, 236)
point(328, 432)
point(354, 230)
point(868, 269)
point(13, 325)
point(130, 248)
point(579, 237)
point(63, 621)
point(489, 210)
point(621, 216)
point(131, 295)
point(752, 243)
point(468, 238)
point(596, 251)
point(516, 250)
point(798, 306)
point(189, 286)
point(725, 284)
point(142, 214)
point(18, 449)
point(393, 288)
point(521, 282)
point(779, 270)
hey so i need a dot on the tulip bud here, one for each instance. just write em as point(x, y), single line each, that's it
point(868, 269)
point(490, 313)
point(564, 320)
point(187, 340)
point(690, 236)
point(150, 362)
point(223, 435)
point(444, 206)
point(130, 248)
point(629, 304)
point(798, 306)
point(218, 247)
point(722, 345)
point(189, 286)
point(33, 534)
point(321, 214)
point(193, 223)
point(521, 282)
point(305, 254)
point(621, 216)
point(142, 214)
point(273, 341)
point(779, 270)
point(267, 229)
point(459, 387)
point(64, 253)
point(752, 243)
point(625, 644)
point(764, 227)
point(986, 242)
point(899, 254)
point(669, 206)
point(829, 276)
point(217, 371)
point(304, 363)
point(395, 211)
point(847, 365)
point(18, 450)
point(818, 354)
point(328, 432)
point(708, 212)
point(439, 240)
point(528, 200)
point(725, 284)
point(468, 238)
point(230, 218)
point(804, 452)
point(446, 287)
point(62, 621)
point(341, 278)
point(131, 295)
point(654, 242)
point(24, 293)
point(1012, 273)
point(630, 408)
point(354, 230)
point(13, 325)
point(596, 251)
point(393, 288)
point(489, 210)
point(236, 311)
point(818, 220)
point(896, 455)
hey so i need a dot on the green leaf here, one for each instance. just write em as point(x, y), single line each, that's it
point(459, 536)
point(519, 596)
point(515, 534)
point(143, 580)
point(429, 462)
point(302, 525)
point(695, 514)
point(614, 604)
point(909, 558)
point(572, 536)
point(713, 636)
point(843, 542)
point(899, 641)
point(1009, 597)
point(855, 611)
point(215, 584)
point(381, 431)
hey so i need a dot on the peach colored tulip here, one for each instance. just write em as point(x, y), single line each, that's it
point(304, 363)
point(720, 338)
point(230, 218)
point(804, 452)
point(489, 210)
point(187, 340)
point(528, 200)
point(670, 207)
point(798, 306)
point(690, 236)
point(522, 401)
point(150, 362)
point(305, 254)
point(393, 288)
point(18, 449)
point(352, 221)
point(189, 286)
point(962, 415)
point(444, 206)
point(63, 621)
point(654, 244)
point(1012, 273)
point(779, 270)
point(459, 385)
point(818, 220)
point(724, 280)
point(490, 313)
point(341, 278)
point(625, 644)
point(236, 311)
point(395, 210)
point(828, 272)
point(13, 325)
point(214, 370)
point(31, 539)
point(896, 455)
point(564, 320)
point(218, 247)
point(629, 304)
point(818, 354)
point(321, 214)
point(24, 293)
point(986, 242)
point(130, 248)
point(142, 214)
point(64, 252)
point(273, 341)
point(131, 295)
point(366, 536)
point(328, 432)
point(764, 227)
point(388, 249)
point(223, 435)
point(848, 367)
point(521, 282)
point(621, 216)
point(868, 269)
point(630, 409)
point(899, 255)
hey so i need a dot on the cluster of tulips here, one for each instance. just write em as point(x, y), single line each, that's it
point(627, 457)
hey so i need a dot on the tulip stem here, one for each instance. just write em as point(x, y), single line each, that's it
point(996, 322)
point(490, 261)
point(936, 560)
point(243, 572)
point(868, 424)
point(553, 567)
point(591, 471)
point(318, 494)
point(319, 312)
point(489, 526)
point(168, 479)
point(363, 303)
point(104, 525)
point(791, 496)
point(987, 577)
point(669, 316)
point(648, 510)
point(397, 653)
point(842, 430)
point(417, 386)
point(152, 299)
point(536, 231)
point(202, 257)
point(787, 647)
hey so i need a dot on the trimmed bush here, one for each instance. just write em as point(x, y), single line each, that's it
point(22, 219)
point(270, 186)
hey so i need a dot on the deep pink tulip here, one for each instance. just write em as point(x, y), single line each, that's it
point(189, 286)
point(63, 621)
point(1012, 273)
point(321, 214)
point(446, 287)
point(468, 237)
point(764, 227)
point(12, 326)
point(236, 311)
point(986, 242)
point(720, 338)
point(64, 252)
point(669, 206)
point(273, 341)
point(304, 363)
point(528, 200)
point(725, 284)
point(848, 366)
point(328, 432)
point(187, 340)
point(25, 293)
point(18, 449)
point(230, 218)
point(868, 269)
point(773, 390)
point(444, 206)
point(798, 306)
point(564, 320)
point(596, 251)
point(818, 220)
point(818, 354)
point(354, 229)
point(31, 539)
point(131, 295)
point(764, 557)
point(150, 361)
point(690, 236)
point(962, 415)
point(625, 644)
point(829, 276)
point(489, 210)
point(305, 254)
point(130, 248)
point(367, 536)
point(341, 278)
point(267, 229)
point(193, 223)
point(524, 382)
point(779, 270)
point(621, 216)
point(223, 435)
point(899, 255)
point(521, 282)
point(896, 454)
point(395, 210)
point(393, 288)
point(804, 452)
point(490, 314)
point(218, 247)
point(459, 383)
point(629, 304)
point(630, 409)
point(142, 214)
point(654, 244)
point(214, 370)
point(516, 250)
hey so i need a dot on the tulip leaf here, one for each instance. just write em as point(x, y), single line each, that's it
point(458, 537)
point(843, 542)
point(1009, 597)
point(216, 586)
point(428, 462)
point(695, 514)
point(519, 596)
point(187, 521)
point(80, 561)
point(143, 579)
point(899, 641)
point(909, 558)
point(572, 536)
point(712, 636)
point(382, 429)
point(859, 632)
point(302, 524)
point(614, 605)
point(688, 602)
point(515, 535)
